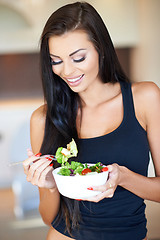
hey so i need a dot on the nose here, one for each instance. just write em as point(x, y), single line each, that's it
point(68, 69)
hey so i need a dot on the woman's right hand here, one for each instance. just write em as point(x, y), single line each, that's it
point(39, 171)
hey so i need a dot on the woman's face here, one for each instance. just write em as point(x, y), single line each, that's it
point(75, 59)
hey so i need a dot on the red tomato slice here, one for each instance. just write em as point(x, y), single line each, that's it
point(105, 169)
point(85, 171)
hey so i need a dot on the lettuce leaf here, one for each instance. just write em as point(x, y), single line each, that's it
point(64, 172)
point(59, 155)
point(71, 147)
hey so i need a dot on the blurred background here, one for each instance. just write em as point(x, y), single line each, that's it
point(134, 29)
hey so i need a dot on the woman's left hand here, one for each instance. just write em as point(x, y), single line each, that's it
point(107, 190)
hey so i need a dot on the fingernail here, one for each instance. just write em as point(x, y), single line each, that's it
point(79, 199)
point(51, 164)
point(48, 158)
point(38, 154)
point(90, 188)
point(105, 169)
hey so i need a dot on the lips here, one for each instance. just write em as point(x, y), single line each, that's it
point(73, 80)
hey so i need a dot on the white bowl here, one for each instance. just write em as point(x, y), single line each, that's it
point(75, 187)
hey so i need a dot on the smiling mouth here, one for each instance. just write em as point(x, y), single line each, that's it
point(72, 80)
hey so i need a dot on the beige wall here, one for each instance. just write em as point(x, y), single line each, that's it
point(145, 66)
point(146, 56)
point(119, 15)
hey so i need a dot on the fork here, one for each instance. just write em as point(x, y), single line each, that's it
point(20, 162)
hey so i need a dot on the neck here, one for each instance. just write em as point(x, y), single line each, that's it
point(97, 94)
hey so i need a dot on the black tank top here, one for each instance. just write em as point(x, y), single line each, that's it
point(121, 217)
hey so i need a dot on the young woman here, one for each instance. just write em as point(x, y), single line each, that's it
point(89, 98)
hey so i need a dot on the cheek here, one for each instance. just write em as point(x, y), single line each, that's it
point(93, 66)
point(53, 69)
point(56, 70)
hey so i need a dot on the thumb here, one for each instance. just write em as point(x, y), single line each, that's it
point(29, 152)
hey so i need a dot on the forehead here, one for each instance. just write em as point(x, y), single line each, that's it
point(69, 42)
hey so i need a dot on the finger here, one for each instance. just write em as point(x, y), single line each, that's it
point(46, 171)
point(110, 168)
point(44, 175)
point(102, 188)
point(34, 167)
point(26, 164)
point(107, 194)
point(29, 152)
point(30, 160)
point(40, 172)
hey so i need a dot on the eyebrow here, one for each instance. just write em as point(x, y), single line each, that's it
point(81, 49)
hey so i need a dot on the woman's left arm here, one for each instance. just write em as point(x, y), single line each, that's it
point(144, 187)
point(147, 187)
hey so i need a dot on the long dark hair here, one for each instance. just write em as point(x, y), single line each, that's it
point(62, 102)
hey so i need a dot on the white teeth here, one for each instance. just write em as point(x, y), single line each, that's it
point(74, 79)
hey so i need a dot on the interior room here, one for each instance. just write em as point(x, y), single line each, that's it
point(134, 29)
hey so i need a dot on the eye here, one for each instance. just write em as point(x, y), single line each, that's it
point(79, 60)
point(55, 62)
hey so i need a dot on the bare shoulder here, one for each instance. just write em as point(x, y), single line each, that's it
point(37, 127)
point(146, 91)
point(39, 115)
point(146, 97)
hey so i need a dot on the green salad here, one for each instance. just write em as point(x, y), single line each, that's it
point(75, 168)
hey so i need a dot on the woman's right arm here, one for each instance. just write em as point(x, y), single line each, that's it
point(39, 173)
